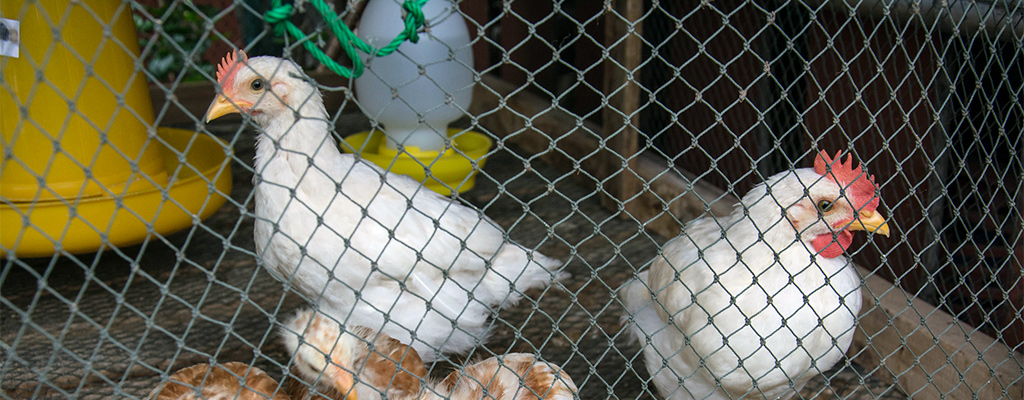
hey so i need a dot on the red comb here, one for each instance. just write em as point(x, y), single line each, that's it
point(859, 185)
point(229, 66)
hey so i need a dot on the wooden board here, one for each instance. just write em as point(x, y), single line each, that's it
point(927, 352)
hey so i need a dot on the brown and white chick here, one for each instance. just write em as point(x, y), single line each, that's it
point(233, 380)
point(349, 363)
point(339, 360)
point(370, 247)
point(514, 376)
point(754, 304)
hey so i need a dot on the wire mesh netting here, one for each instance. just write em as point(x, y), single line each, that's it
point(140, 236)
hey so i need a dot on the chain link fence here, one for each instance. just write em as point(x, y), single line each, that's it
point(128, 219)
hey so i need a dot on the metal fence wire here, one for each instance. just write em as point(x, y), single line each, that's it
point(602, 131)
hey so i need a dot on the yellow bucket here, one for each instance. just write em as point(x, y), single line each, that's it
point(78, 131)
point(81, 130)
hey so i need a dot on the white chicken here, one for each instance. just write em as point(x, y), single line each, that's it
point(755, 304)
point(371, 248)
point(360, 364)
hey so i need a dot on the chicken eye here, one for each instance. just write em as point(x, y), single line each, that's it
point(257, 85)
point(824, 205)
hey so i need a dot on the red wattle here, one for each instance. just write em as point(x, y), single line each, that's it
point(830, 247)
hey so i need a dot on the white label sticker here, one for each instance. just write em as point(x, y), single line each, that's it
point(9, 36)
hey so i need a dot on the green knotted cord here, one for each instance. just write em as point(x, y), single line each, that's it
point(279, 14)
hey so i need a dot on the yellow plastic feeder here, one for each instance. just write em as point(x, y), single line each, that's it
point(83, 166)
point(440, 173)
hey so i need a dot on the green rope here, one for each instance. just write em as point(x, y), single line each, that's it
point(279, 15)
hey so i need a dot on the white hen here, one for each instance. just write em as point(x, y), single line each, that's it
point(372, 248)
point(755, 304)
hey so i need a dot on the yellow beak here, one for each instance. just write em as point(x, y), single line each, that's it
point(222, 106)
point(870, 221)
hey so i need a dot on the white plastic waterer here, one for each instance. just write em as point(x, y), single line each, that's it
point(417, 91)
point(414, 93)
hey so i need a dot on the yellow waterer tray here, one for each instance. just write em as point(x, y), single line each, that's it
point(440, 173)
point(35, 229)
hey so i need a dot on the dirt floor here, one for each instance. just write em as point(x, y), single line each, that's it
point(115, 323)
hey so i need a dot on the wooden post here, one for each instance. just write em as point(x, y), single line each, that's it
point(620, 116)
